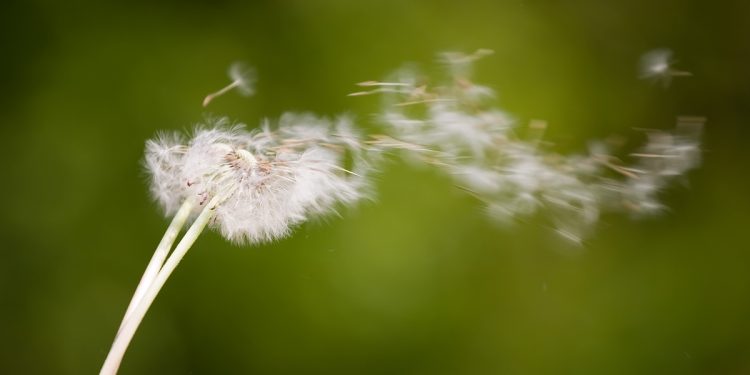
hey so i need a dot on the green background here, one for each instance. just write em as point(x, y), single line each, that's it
point(417, 282)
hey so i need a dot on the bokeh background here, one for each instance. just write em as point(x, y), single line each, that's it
point(417, 282)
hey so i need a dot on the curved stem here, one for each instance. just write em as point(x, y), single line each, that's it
point(123, 338)
point(157, 260)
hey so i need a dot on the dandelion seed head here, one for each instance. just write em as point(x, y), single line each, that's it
point(268, 181)
point(243, 80)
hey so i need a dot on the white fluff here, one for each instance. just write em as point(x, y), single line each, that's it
point(456, 128)
point(268, 181)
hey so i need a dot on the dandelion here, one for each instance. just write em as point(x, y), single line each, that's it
point(243, 79)
point(252, 186)
point(657, 65)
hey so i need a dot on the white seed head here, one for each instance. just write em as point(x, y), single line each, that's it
point(267, 181)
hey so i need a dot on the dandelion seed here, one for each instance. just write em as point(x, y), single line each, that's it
point(243, 79)
point(376, 83)
point(570, 236)
point(453, 58)
point(657, 65)
point(461, 64)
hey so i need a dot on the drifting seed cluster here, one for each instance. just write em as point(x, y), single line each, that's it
point(455, 127)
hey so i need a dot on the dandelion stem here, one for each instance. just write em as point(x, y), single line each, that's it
point(160, 255)
point(123, 338)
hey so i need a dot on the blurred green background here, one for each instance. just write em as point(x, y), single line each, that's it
point(418, 282)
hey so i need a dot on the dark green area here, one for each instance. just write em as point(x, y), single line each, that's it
point(419, 282)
